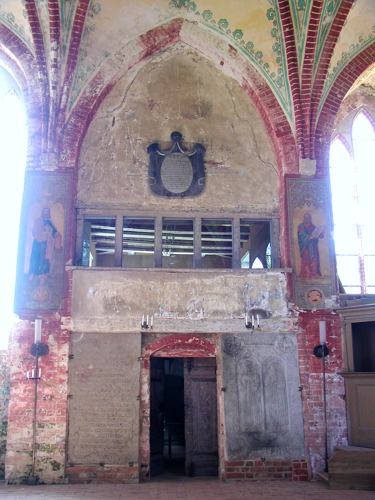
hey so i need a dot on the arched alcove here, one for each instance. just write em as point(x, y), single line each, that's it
point(206, 106)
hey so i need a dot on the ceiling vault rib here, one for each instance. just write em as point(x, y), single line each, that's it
point(54, 26)
point(40, 55)
point(292, 67)
point(307, 71)
point(323, 66)
point(72, 58)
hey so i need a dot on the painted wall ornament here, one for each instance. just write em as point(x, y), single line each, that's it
point(176, 172)
point(41, 260)
point(311, 243)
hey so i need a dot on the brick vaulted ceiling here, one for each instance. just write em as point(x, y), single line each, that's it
point(297, 58)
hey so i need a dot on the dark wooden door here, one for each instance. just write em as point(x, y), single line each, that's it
point(200, 417)
point(156, 416)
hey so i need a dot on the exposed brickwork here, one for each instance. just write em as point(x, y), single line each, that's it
point(51, 404)
point(255, 470)
point(312, 387)
point(102, 474)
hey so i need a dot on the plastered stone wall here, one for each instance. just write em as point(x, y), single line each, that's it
point(179, 90)
point(181, 301)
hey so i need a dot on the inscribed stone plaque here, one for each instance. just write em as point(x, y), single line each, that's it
point(176, 171)
point(262, 403)
point(104, 407)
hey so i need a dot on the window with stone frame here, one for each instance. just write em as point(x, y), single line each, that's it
point(352, 177)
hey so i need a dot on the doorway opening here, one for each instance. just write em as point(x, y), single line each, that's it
point(183, 417)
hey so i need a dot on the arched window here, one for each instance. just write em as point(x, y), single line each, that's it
point(12, 162)
point(352, 171)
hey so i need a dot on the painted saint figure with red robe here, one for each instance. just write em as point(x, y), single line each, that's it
point(308, 239)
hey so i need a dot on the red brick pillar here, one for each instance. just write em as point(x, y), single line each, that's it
point(51, 415)
point(311, 373)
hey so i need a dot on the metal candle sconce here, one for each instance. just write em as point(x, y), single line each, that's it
point(38, 348)
point(250, 321)
point(253, 317)
point(147, 322)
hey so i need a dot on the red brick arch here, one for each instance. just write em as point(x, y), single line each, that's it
point(181, 346)
point(155, 42)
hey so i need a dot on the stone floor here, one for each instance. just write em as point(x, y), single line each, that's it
point(186, 489)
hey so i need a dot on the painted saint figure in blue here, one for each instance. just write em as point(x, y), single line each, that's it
point(46, 240)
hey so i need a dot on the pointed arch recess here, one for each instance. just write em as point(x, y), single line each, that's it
point(153, 43)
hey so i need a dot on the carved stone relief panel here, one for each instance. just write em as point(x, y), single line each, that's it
point(262, 403)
